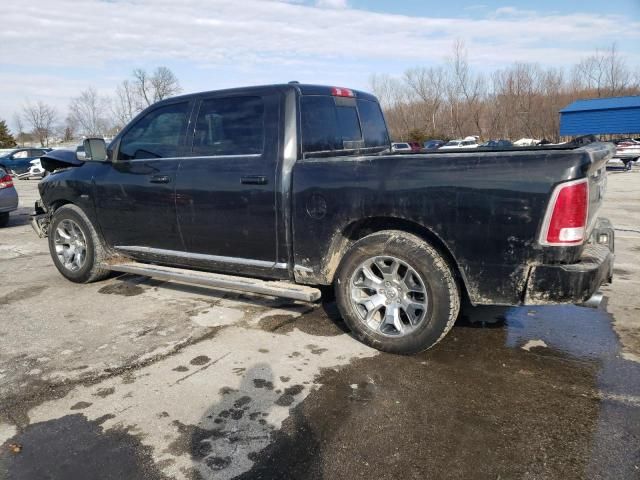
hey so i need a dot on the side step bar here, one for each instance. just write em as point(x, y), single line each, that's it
point(252, 285)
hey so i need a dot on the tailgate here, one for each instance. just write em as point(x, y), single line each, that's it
point(599, 154)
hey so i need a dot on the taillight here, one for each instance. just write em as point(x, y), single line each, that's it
point(565, 222)
point(6, 182)
point(342, 92)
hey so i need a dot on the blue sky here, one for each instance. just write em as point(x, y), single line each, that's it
point(212, 44)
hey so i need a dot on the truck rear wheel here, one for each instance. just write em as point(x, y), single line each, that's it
point(397, 293)
point(75, 247)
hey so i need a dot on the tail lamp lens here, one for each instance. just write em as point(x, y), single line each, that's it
point(6, 182)
point(566, 218)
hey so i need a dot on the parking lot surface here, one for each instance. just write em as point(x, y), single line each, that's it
point(140, 379)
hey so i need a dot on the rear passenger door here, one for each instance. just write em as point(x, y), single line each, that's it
point(226, 184)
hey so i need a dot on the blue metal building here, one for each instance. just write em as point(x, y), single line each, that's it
point(601, 116)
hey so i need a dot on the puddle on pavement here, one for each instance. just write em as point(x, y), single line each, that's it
point(479, 405)
point(73, 448)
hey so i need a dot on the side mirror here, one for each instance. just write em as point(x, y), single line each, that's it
point(95, 149)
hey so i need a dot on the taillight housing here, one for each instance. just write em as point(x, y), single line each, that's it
point(565, 222)
point(6, 181)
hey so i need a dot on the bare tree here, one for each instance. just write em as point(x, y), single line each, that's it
point(41, 118)
point(19, 126)
point(466, 92)
point(89, 112)
point(157, 86)
point(428, 84)
point(126, 104)
point(605, 72)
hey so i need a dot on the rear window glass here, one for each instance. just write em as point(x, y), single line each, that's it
point(319, 132)
point(373, 126)
point(348, 124)
point(342, 124)
point(229, 126)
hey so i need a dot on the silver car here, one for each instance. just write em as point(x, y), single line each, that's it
point(8, 196)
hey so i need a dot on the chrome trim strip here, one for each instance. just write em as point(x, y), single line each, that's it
point(191, 157)
point(300, 268)
point(201, 256)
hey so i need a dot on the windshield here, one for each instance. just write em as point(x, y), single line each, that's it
point(452, 143)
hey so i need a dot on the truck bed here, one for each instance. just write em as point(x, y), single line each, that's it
point(483, 208)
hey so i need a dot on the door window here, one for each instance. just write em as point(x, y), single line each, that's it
point(158, 134)
point(21, 154)
point(229, 126)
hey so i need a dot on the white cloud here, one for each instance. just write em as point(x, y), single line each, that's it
point(332, 3)
point(277, 36)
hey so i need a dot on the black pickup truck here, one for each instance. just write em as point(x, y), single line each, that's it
point(289, 189)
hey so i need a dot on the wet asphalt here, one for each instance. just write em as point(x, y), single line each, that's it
point(528, 393)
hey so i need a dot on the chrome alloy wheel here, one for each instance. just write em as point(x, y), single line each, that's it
point(389, 296)
point(71, 245)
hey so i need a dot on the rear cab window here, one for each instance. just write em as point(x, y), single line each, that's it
point(330, 124)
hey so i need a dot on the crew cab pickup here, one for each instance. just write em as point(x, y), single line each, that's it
point(291, 189)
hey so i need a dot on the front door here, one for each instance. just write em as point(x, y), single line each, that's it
point(226, 187)
point(135, 193)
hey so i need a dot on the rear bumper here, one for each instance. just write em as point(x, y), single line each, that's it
point(576, 282)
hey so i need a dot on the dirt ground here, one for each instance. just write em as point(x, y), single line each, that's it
point(140, 379)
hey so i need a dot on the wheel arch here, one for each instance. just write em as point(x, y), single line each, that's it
point(359, 229)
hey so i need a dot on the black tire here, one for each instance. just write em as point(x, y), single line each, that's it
point(90, 271)
point(433, 271)
point(4, 219)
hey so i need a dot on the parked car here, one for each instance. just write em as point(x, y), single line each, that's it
point(497, 144)
point(415, 147)
point(264, 184)
point(18, 160)
point(80, 153)
point(526, 142)
point(627, 151)
point(400, 147)
point(433, 144)
point(35, 170)
point(459, 144)
point(8, 196)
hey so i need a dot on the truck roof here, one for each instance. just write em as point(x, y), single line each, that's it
point(301, 88)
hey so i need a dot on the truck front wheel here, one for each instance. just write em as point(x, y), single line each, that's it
point(397, 293)
point(75, 247)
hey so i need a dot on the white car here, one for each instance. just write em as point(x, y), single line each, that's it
point(400, 147)
point(628, 150)
point(526, 142)
point(35, 170)
point(460, 144)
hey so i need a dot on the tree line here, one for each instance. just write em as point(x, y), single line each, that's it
point(450, 100)
point(454, 100)
point(92, 114)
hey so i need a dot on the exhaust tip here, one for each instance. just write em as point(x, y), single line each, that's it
point(594, 301)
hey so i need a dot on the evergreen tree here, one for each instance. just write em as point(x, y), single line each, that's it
point(6, 139)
